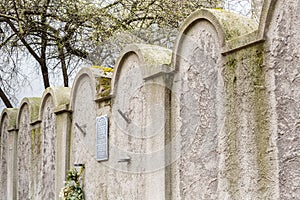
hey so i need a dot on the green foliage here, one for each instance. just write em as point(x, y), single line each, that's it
point(73, 189)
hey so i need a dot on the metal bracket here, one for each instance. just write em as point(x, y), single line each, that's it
point(128, 159)
point(80, 128)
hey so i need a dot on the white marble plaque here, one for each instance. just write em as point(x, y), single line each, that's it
point(102, 138)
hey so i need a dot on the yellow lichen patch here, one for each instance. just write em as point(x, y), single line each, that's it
point(104, 69)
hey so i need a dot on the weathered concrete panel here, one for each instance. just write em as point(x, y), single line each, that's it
point(28, 114)
point(196, 86)
point(127, 136)
point(48, 147)
point(282, 28)
point(85, 90)
point(23, 154)
point(52, 171)
point(7, 152)
point(4, 157)
point(138, 123)
point(250, 163)
point(199, 104)
point(36, 158)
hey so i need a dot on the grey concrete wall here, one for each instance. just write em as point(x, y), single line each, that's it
point(30, 152)
point(4, 156)
point(8, 134)
point(282, 54)
point(48, 148)
point(25, 158)
point(36, 164)
point(83, 137)
point(249, 148)
point(197, 85)
point(217, 118)
point(139, 92)
point(53, 139)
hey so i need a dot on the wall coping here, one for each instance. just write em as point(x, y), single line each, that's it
point(154, 60)
point(33, 106)
point(11, 113)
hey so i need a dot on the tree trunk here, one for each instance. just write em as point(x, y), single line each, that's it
point(63, 65)
point(4, 98)
point(44, 43)
point(45, 74)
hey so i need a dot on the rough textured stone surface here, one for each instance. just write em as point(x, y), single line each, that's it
point(7, 151)
point(63, 127)
point(24, 158)
point(249, 149)
point(139, 93)
point(223, 123)
point(128, 137)
point(23, 154)
point(36, 161)
point(196, 86)
point(48, 147)
point(4, 145)
point(282, 60)
point(83, 142)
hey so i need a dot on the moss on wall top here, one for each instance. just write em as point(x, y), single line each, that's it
point(11, 113)
point(34, 107)
point(234, 25)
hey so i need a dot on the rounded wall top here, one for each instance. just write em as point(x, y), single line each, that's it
point(34, 108)
point(93, 74)
point(11, 113)
point(266, 16)
point(228, 26)
point(154, 60)
point(60, 96)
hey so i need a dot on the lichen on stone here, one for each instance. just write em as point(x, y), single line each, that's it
point(107, 71)
point(103, 84)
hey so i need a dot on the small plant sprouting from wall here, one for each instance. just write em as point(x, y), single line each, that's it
point(104, 86)
point(73, 189)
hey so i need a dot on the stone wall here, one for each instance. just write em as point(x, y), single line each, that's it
point(216, 118)
point(282, 61)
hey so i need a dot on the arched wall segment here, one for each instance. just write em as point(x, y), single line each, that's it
point(154, 61)
point(51, 142)
point(11, 114)
point(86, 91)
point(33, 104)
point(60, 96)
point(280, 28)
point(7, 139)
point(138, 64)
point(197, 115)
point(27, 115)
point(93, 75)
point(228, 26)
point(139, 90)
